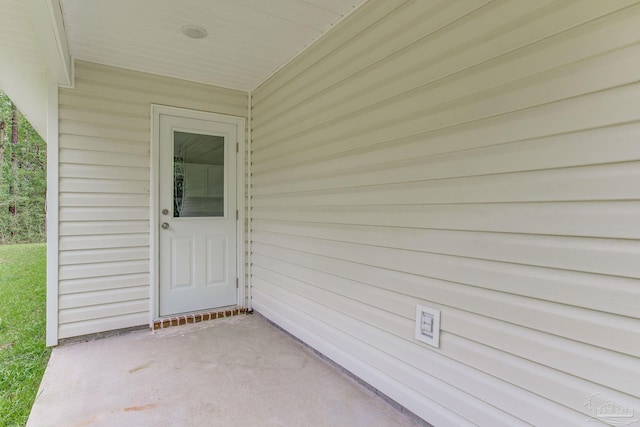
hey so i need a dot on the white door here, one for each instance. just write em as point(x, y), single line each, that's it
point(197, 218)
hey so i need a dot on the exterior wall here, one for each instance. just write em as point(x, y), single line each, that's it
point(104, 190)
point(477, 157)
point(24, 75)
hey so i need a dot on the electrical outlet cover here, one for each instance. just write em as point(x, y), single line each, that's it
point(434, 337)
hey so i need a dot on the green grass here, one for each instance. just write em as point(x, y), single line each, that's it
point(23, 354)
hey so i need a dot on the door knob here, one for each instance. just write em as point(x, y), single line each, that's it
point(165, 225)
point(165, 211)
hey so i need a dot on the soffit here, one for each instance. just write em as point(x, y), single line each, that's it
point(247, 39)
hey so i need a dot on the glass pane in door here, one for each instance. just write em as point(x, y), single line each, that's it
point(198, 175)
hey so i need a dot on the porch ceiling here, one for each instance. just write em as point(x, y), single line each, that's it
point(247, 39)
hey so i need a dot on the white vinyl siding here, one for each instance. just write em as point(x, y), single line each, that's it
point(104, 190)
point(478, 157)
point(24, 75)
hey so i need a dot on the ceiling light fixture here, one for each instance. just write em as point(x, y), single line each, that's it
point(194, 31)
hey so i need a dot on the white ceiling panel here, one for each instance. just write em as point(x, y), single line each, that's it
point(247, 39)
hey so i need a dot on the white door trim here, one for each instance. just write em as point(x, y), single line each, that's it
point(154, 224)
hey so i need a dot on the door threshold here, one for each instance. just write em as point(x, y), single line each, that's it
point(197, 317)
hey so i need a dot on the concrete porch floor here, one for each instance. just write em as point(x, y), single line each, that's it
point(236, 371)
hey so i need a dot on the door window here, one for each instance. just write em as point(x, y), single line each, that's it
point(198, 175)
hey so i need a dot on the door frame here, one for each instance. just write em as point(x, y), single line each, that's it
point(154, 203)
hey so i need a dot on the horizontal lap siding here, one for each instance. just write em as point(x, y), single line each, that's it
point(105, 129)
point(477, 157)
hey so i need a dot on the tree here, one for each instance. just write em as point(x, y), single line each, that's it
point(22, 177)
